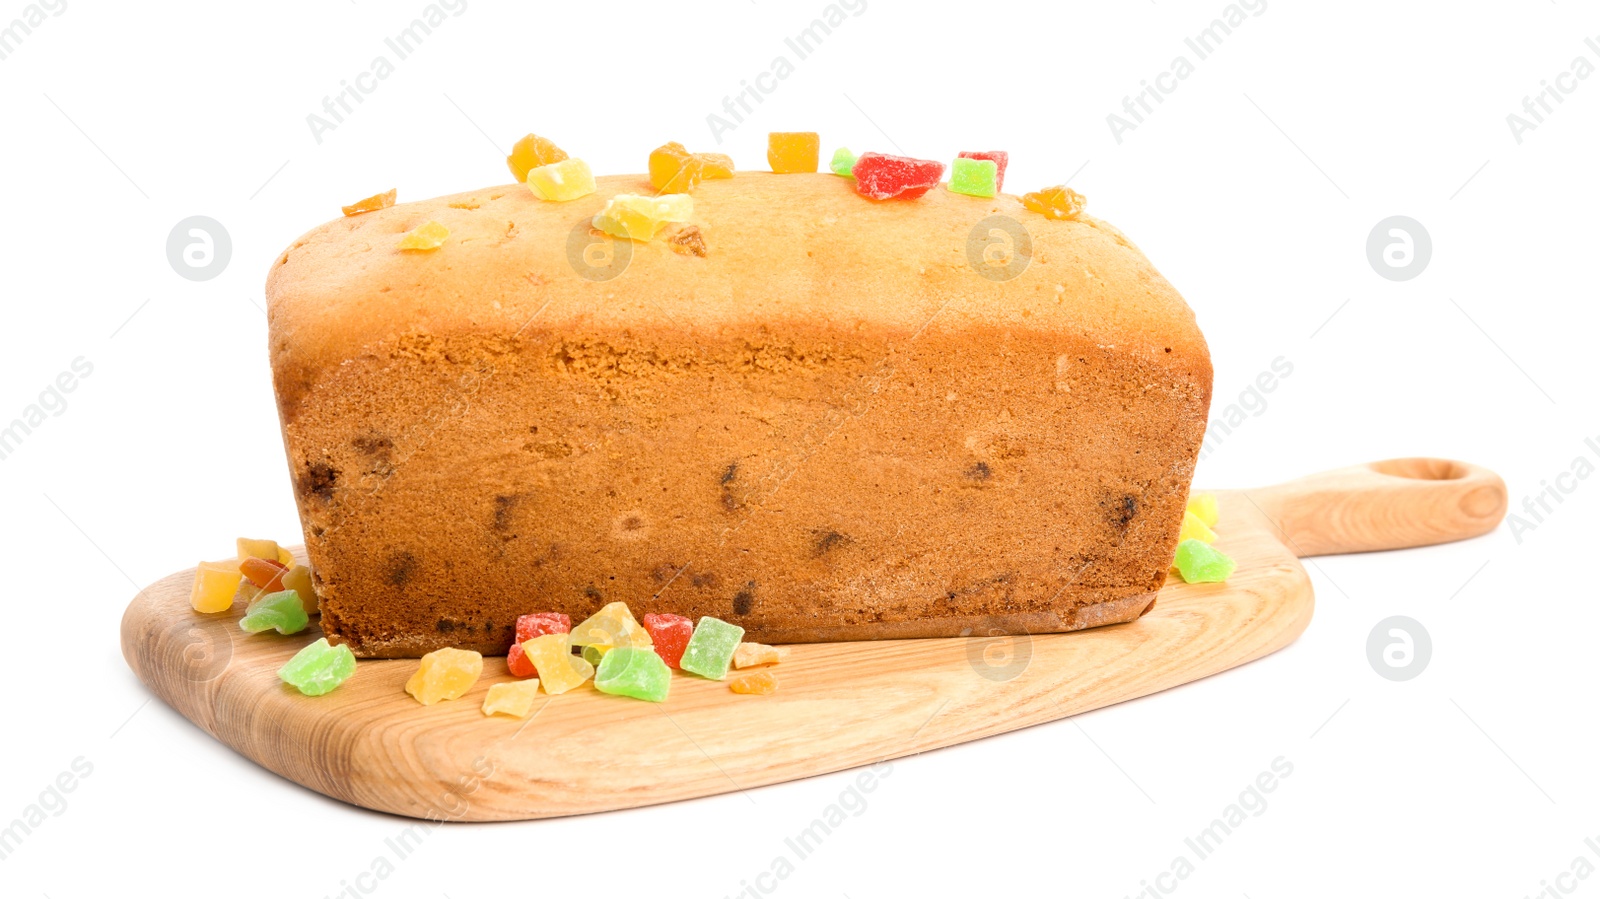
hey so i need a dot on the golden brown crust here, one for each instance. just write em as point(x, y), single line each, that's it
point(828, 427)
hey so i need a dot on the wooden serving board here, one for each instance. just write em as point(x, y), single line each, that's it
point(839, 705)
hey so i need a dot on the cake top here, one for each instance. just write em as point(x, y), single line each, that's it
point(791, 251)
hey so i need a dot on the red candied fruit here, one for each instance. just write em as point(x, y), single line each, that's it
point(529, 626)
point(998, 157)
point(669, 635)
point(881, 176)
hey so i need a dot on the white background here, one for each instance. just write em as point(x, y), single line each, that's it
point(1253, 188)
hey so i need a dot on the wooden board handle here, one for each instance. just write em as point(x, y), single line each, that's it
point(1384, 505)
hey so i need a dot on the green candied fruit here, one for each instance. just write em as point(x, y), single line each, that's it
point(711, 648)
point(1200, 563)
point(633, 671)
point(593, 654)
point(318, 668)
point(973, 177)
point(843, 161)
point(282, 611)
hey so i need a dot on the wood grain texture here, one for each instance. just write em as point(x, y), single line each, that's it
point(840, 705)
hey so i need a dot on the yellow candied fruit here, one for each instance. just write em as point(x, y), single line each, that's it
point(561, 181)
point(559, 669)
point(371, 204)
point(215, 583)
point(748, 655)
point(530, 153)
point(609, 628)
point(259, 549)
point(428, 236)
point(789, 152)
point(761, 683)
point(674, 170)
point(445, 674)
point(298, 579)
point(514, 698)
point(1204, 506)
point(1060, 202)
point(637, 217)
point(1195, 529)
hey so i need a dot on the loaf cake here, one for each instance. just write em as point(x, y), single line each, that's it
point(807, 413)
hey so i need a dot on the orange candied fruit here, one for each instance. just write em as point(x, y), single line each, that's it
point(674, 170)
point(371, 204)
point(789, 152)
point(530, 153)
point(1060, 202)
point(761, 683)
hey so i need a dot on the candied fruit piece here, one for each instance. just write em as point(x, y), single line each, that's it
point(1060, 202)
point(1201, 563)
point(264, 573)
point(514, 698)
point(711, 648)
point(635, 672)
point(749, 655)
point(445, 674)
point(298, 579)
point(427, 236)
point(215, 583)
point(973, 177)
point(530, 626)
point(789, 152)
point(637, 217)
point(285, 557)
point(1195, 529)
point(612, 626)
point(561, 181)
point(760, 683)
point(843, 161)
point(259, 549)
point(281, 612)
point(530, 153)
point(318, 668)
point(998, 157)
point(881, 176)
point(371, 204)
point(593, 654)
point(674, 170)
point(518, 663)
point(688, 240)
point(1204, 506)
point(669, 634)
point(559, 669)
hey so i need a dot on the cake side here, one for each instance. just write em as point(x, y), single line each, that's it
point(849, 435)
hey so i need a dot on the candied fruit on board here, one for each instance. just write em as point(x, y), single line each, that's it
point(973, 177)
point(674, 170)
point(669, 635)
point(1204, 506)
point(264, 573)
point(531, 152)
point(1060, 202)
point(638, 217)
point(427, 236)
point(559, 669)
point(215, 583)
point(612, 626)
point(298, 579)
point(761, 683)
point(635, 672)
point(318, 668)
point(514, 698)
point(998, 157)
point(749, 655)
point(259, 549)
point(711, 648)
point(842, 162)
point(1201, 563)
point(561, 181)
point(371, 204)
point(880, 176)
point(281, 611)
point(528, 627)
point(445, 674)
point(789, 152)
point(1195, 529)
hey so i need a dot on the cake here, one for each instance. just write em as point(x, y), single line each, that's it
point(807, 413)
